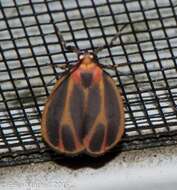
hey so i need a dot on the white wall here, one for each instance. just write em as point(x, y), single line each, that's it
point(151, 169)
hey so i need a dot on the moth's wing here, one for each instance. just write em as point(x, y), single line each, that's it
point(104, 122)
point(62, 117)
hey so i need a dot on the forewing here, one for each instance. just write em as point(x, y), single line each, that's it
point(62, 117)
point(104, 122)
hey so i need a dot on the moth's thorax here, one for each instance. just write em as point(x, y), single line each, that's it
point(88, 72)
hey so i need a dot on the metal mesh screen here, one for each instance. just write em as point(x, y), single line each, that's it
point(144, 58)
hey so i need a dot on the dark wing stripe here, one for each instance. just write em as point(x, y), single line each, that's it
point(67, 138)
point(76, 104)
point(55, 111)
point(97, 138)
point(86, 79)
point(93, 108)
point(112, 109)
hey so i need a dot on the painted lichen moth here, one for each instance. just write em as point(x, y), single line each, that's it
point(85, 112)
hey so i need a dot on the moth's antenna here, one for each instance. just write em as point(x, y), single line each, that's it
point(112, 40)
point(63, 42)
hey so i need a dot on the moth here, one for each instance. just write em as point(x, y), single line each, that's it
point(84, 112)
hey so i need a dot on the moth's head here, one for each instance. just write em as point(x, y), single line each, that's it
point(87, 58)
